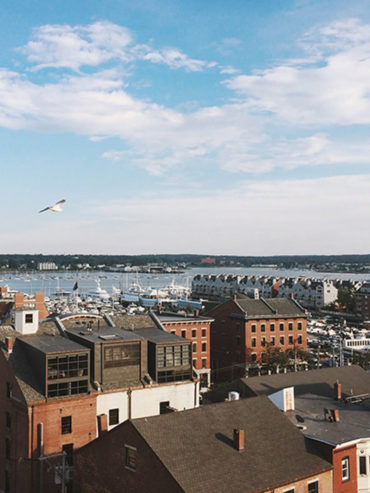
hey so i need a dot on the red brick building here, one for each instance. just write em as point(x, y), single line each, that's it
point(196, 329)
point(244, 329)
point(63, 381)
point(245, 445)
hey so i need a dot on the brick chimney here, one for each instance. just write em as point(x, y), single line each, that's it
point(335, 415)
point(196, 313)
point(9, 344)
point(239, 440)
point(234, 297)
point(102, 424)
point(337, 391)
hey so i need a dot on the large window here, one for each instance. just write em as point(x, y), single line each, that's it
point(345, 469)
point(61, 367)
point(67, 388)
point(169, 356)
point(121, 355)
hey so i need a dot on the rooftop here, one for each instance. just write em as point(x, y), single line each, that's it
point(353, 379)
point(175, 317)
point(276, 453)
point(270, 308)
point(159, 336)
point(52, 343)
point(354, 418)
point(105, 334)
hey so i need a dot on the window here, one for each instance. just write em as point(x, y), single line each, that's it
point(281, 327)
point(122, 355)
point(290, 340)
point(282, 342)
point(194, 363)
point(263, 327)
point(313, 487)
point(345, 469)
point(263, 357)
point(204, 332)
point(299, 340)
point(291, 490)
point(272, 327)
point(263, 341)
point(194, 347)
point(290, 326)
point(163, 407)
point(29, 318)
point(253, 327)
point(254, 357)
point(299, 325)
point(168, 356)
point(363, 469)
point(60, 367)
point(8, 389)
point(194, 333)
point(272, 341)
point(254, 342)
point(204, 363)
point(204, 347)
point(66, 423)
point(7, 448)
point(113, 417)
point(183, 334)
point(130, 458)
point(8, 419)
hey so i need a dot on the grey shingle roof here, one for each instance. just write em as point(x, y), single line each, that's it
point(354, 380)
point(196, 447)
point(270, 308)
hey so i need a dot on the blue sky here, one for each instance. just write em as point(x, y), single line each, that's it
point(213, 127)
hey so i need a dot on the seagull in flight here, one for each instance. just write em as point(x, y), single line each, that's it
point(55, 208)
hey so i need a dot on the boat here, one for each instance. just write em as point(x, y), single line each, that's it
point(98, 293)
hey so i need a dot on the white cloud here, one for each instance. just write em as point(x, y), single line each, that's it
point(335, 91)
point(245, 135)
point(172, 57)
point(76, 46)
point(73, 47)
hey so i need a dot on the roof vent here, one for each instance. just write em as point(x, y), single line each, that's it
point(108, 337)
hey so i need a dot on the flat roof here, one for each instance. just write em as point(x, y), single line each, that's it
point(354, 419)
point(52, 344)
point(105, 334)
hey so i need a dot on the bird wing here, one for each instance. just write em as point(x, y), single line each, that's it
point(46, 209)
point(60, 202)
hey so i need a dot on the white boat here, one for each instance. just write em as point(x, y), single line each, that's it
point(98, 293)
